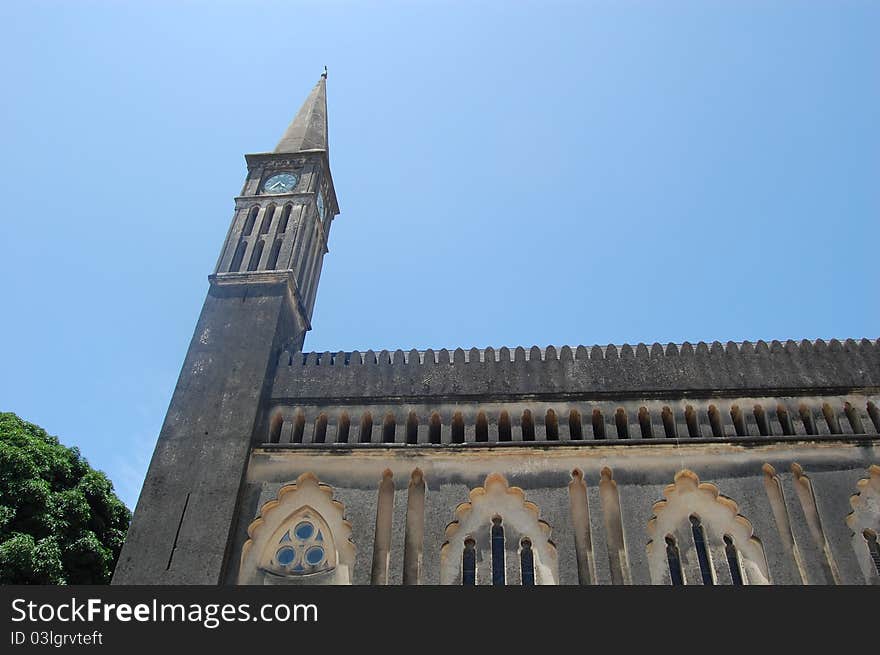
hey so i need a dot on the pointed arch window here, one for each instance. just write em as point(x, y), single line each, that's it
point(504, 432)
point(302, 532)
point(507, 529)
point(284, 220)
point(873, 548)
point(256, 256)
point(702, 552)
point(267, 219)
point(864, 522)
point(366, 428)
point(273, 255)
point(469, 563)
point(235, 266)
point(497, 535)
point(736, 576)
point(250, 220)
point(673, 557)
point(434, 428)
point(481, 430)
point(457, 428)
point(704, 533)
point(527, 563)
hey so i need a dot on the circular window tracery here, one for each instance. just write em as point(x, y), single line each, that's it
point(303, 548)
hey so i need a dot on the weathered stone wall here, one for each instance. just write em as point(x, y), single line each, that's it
point(801, 545)
point(180, 529)
point(684, 370)
point(614, 449)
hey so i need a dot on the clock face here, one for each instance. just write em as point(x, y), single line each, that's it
point(280, 183)
point(321, 204)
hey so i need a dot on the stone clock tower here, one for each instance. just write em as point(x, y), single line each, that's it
point(260, 301)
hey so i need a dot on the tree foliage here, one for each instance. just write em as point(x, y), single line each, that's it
point(60, 522)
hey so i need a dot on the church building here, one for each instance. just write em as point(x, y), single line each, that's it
point(683, 464)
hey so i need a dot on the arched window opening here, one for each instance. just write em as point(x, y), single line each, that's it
point(733, 561)
point(551, 425)
point(873, 548)
point(273, 255)
point(699, 508)
point(761, 420)
point(621, 420)
point(575, 429)
point(482, 428)
point(498, 567)
point(285, 218)
point(249, 221)
point(469, 563)
point(831, 418)
point(784, 419)
point(235, 266)
point(343, 428)
point(807, 419)
point(702, 551)
point(388, 428)
point(739, 421)
point(527, 563)
point(412, 428)
point(693, 425)
point(366, 428)
point(481, 519)
point(299, 426)
point(874, 413)
point(267, 219)
point(645, 423)
point(457, 428)
point(305, 251)
point(320, 429)
point(855, 421)
point(255, 257)
point(528, 426)
point(504, 431)
point(674, 559)
point(434, 428)
point(715, 422)
point(668, 419)
point(275, 428)
point(598, 425)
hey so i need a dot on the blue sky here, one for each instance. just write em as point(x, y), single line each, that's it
point(509, 173)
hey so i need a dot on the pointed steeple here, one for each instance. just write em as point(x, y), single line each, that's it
point(308, 131)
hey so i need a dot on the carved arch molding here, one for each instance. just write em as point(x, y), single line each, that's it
point(302, 537)
point(473, 520)
point(719, 517)
point(864, 521)
point(299, 537)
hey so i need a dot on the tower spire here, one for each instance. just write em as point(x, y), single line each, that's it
point(308, 130)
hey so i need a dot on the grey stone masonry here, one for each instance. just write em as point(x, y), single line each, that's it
point(643, 371)
point(181, 524)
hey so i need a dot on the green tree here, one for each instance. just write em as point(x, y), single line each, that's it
point(60, 522)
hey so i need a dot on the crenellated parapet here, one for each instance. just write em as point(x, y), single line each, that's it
point(641, 370)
